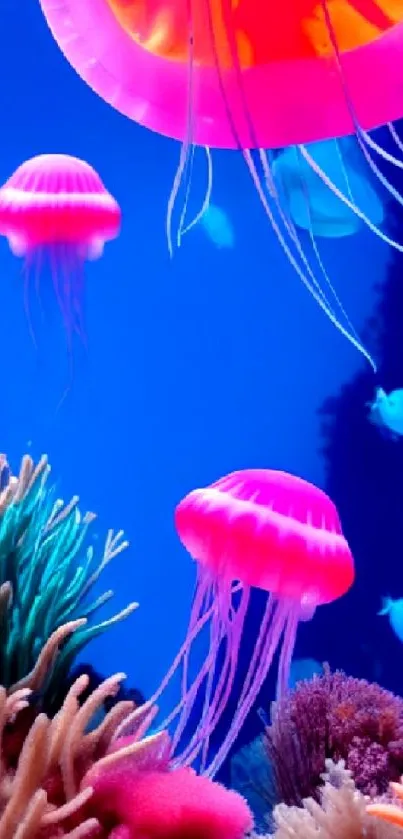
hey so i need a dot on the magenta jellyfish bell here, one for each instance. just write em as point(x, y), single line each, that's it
point(252, 529)
point(56, 213)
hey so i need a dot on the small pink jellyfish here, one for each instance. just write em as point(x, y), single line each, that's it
point(56, 214)
point(255, 528)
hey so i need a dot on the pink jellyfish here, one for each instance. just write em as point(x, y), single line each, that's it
point(252, 529)
point(56, 214)
point(252, 75)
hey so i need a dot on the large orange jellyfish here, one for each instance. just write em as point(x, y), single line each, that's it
point(252, 529)
point(56, 213)
point(252, 75)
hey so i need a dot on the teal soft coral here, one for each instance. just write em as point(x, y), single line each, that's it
point(47, 573)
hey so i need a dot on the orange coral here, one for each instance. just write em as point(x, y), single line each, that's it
point(392, 813)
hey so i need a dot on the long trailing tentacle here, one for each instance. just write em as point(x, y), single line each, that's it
point(366, 143)
point(206, 200)
point(266, 188)
point(185, 166)
point(291, 229)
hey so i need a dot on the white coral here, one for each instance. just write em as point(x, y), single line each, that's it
point(341, 813)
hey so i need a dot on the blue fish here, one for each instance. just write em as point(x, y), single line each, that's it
point(386, 411)
point(218, 227)
point(394, 610)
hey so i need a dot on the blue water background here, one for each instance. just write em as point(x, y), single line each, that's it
point(217, 360)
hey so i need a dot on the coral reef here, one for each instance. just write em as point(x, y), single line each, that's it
point(252, 776)
point(75, 758)
point(339, 717)
point(47, 573)
point(44, 791)
point(71, 781)
point(341, 811)
point(175, 804)
point(96, 679)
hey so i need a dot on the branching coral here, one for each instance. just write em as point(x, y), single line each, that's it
point(72, 782)
point(46, 576)
point(341, 812)
point(47, 794)
point(339, 717)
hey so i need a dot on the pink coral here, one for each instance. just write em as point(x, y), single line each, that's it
point(175, 804)
point(339, 717)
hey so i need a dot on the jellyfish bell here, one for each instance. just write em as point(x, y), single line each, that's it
point(56, 214)
point(312, 205)
point(252, 529)
point(252, 76)
point(278, 65)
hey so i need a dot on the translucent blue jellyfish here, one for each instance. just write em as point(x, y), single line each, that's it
point(311, 204)
point(218, 227)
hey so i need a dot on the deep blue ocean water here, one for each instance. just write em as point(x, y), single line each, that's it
point(214, 361)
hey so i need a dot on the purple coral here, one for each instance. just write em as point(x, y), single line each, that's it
point(339, 717)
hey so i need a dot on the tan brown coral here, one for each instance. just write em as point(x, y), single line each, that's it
point(49, 793)
point(341, 814)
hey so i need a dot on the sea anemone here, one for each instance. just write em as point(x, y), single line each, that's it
point(339, 717)
point(47, 572)
point(171, 804)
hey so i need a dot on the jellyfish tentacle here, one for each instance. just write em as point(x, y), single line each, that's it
point(188, 176)
point(26, 272)
point(319, 260)
point(395, 136)
point(286, 653)
point(291, 229)
point(176, 186)
point(223, 691)
point(310, 281)
point(185, 705)
point(307, 283)
point(206, 727)
point(366, 143)
point(207, 196)
point(353, 207)
point(230, 634)
point(363, 136)
point(271, 630)
point(183, 651)
point(204, 602)
point(185, 156)
point(206, 671)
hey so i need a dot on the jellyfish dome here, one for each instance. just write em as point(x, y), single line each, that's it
point(274, 65)
point(252, 529)
point(56, 212)
point(250, 75)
